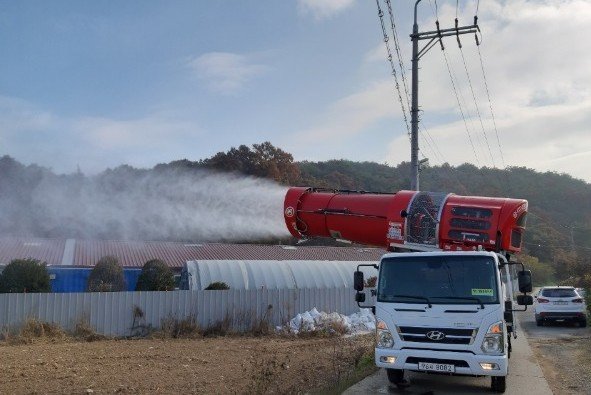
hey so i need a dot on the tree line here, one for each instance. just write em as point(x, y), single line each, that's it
point(557, 241)
point(31, 276)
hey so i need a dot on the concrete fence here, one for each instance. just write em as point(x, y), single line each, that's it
point(128, 313)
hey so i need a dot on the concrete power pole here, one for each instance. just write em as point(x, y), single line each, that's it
point(434, 37)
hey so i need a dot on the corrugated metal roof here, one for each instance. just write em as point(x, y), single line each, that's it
point(46, 250)
point(136, 253)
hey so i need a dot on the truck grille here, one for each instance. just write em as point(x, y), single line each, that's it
point(433, 335)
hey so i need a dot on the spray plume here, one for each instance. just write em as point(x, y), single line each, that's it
point(132, 204)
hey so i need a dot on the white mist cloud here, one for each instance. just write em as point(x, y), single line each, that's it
point(224, 72)
point(323, 9)
point(171, 205)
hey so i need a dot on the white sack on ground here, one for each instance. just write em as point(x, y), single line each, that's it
point(356, 323)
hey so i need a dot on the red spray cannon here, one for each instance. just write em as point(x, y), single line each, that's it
point(407, 220)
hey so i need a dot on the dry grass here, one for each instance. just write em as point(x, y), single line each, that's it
point(34, 330)
point(84, 331)
point(175, 328)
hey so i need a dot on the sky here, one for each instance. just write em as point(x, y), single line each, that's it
point(93, 85)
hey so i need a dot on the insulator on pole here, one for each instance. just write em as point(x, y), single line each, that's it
point(439, 34)
point(458, 35)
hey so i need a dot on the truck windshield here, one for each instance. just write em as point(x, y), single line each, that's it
point(438, 280)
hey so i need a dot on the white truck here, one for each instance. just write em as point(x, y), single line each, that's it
point(447, 306)
point(446, 313)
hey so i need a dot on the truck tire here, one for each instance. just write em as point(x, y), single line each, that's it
point(539, 322)
point(583, 323)
point(396, 376)
point(498, 383)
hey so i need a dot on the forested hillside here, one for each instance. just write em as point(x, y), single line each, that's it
point(557, 241)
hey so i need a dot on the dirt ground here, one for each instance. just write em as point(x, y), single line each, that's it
point(566, 363)
point(222, 365)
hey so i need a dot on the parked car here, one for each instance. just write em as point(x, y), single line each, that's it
point(560, 303)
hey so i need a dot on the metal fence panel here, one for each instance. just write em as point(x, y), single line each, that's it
point(116, 313)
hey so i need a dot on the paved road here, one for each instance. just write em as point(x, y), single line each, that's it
point(552, 330)
point(525, 375)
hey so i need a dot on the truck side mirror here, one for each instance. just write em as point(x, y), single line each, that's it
point(358, 280)
point(525, 300)
point(360, 297)
point(524, 281)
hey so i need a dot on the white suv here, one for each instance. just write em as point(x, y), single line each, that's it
point(560, 303)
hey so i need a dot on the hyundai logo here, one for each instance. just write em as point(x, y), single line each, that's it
point(435, 335)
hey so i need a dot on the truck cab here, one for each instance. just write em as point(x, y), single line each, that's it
point(445, 312)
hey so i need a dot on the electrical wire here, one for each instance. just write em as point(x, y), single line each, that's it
point(398, 52)
point(492, 113)
point(453, 84)
point(476, 106)
point(392, 65)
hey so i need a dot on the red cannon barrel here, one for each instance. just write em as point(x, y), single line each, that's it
point(407, 220)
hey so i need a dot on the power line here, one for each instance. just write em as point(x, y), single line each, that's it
point(476, 104)
point(462, 102)
point(453, 84)
point(431, 144)
point(398, 54)
point(490, 103)
point(392, 66)
point(451, 171)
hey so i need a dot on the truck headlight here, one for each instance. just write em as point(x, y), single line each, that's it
point(494, 340)
point(384, 338)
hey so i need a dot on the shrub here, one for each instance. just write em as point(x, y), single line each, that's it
point(155, 276)
point(217, 285)
point(25, 275)
point(106, 276)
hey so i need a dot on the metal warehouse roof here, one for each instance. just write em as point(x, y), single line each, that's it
point(47, 250)
point(136, 253)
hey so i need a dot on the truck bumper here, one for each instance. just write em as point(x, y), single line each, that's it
point(465, 363)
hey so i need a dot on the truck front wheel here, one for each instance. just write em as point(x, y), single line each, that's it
point(498, 383)
point(396, 376)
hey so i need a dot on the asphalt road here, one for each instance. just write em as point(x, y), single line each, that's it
point(553, 330)
point(525, 375)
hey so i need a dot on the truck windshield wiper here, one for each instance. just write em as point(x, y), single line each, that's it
point(414, 297)
point(461, 298)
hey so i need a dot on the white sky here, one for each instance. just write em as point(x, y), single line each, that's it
point(98, 85)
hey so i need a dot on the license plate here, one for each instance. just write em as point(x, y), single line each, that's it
point(437, 367)
point(561, 302)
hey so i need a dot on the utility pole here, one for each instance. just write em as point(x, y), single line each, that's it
point(434, 37)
